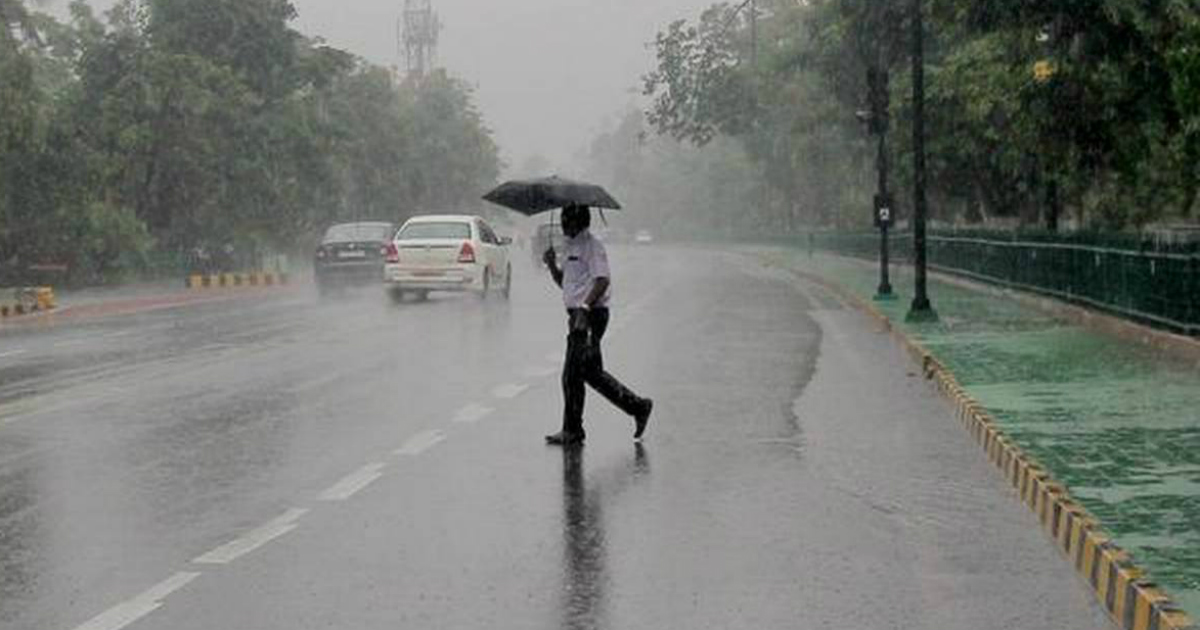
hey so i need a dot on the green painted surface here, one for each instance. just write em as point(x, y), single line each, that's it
point(1114, 421)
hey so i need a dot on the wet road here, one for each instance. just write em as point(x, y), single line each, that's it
point(291, 463)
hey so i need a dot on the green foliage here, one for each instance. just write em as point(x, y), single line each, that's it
point(1110, 138)
point(677, 188)
point(175, 125)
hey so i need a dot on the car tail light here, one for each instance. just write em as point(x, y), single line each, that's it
point(321, 252)
point(392, 253)
point(466, 254)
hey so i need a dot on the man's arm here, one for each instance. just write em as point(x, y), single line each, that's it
point(599, 288)
point(551, 260)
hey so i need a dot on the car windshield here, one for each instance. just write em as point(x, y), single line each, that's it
point(430, 229)
point(357, 232)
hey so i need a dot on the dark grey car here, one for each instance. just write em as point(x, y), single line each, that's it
point(352, 254)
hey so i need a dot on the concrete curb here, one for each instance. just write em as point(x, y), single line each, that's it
point(29, 301)
point(1134, 602)
point(225, 280)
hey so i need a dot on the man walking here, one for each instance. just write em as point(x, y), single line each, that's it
point(585, 282)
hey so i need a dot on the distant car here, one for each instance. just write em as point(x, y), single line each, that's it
point(544, 237)
point(643, 237)
point(351, 253)
point(449, 252)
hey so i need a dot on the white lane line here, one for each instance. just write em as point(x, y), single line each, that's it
point(509, 391)
point(352, 483)
point(126, 613)
point(319, 383)
point(540, 372)
point(420, 443)
point(257, 538)
point(13, 353)
point(472, 413)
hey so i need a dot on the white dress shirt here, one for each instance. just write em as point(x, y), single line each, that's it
point(584, 260)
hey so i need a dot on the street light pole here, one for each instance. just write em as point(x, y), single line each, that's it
point(921, 309)
point(880, 123)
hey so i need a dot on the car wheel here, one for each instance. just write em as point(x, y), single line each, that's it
point(487, 284)
point(507, 283)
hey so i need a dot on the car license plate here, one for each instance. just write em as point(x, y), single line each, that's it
point(352, 254)
point(427, 274)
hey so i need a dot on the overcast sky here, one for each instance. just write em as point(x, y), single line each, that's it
point(547, 72)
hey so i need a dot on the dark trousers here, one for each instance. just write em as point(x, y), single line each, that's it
point(585, 365)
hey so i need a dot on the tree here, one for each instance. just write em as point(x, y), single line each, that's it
point(182, 124)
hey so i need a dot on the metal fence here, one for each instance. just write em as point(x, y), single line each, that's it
point(1148, 281)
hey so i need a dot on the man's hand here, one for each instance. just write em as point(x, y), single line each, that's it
point(579, 320)
point(551, 260)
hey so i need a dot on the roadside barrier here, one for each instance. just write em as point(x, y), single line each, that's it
point(228, 280)
point(29, 300)
point(1133, 601)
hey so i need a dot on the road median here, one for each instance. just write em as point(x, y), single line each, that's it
point(140, 299)
point(27, 301)
point(1097, 434)
point(234, 280)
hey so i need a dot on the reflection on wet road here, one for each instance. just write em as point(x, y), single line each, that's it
point(300, 463)
point(584, 576)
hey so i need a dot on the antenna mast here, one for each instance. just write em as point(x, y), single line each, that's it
point(417, 36)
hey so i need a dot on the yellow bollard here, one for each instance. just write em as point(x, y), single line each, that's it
point(45, 299)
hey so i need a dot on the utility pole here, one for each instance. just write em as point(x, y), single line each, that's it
point(753, 35)
point(921, 309)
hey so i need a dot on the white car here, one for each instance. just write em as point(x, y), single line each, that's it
point(447, 253)
point(643, 237)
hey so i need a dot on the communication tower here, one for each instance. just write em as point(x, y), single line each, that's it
point(417, 37)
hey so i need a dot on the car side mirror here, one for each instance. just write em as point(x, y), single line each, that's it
point(506, 240)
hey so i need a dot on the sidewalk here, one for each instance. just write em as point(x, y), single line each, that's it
point(1118, 424)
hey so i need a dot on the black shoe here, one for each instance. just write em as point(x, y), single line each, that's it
point(565, 438)
point(642, 419)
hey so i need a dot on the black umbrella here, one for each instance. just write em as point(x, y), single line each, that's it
point(532, 196)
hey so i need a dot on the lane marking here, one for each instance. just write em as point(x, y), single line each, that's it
point(13, 353)
point(540, 372)
point(509, 391)
point(352, 483)
point(257, 538)
point(472, 413)
point(319, 383)
point(16, 411)
point(421, 442)
point(126, 613)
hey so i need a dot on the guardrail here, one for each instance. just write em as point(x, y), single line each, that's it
point(27, 300)
point(229, 280)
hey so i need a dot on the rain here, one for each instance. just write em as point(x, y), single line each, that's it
point(598, 314)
